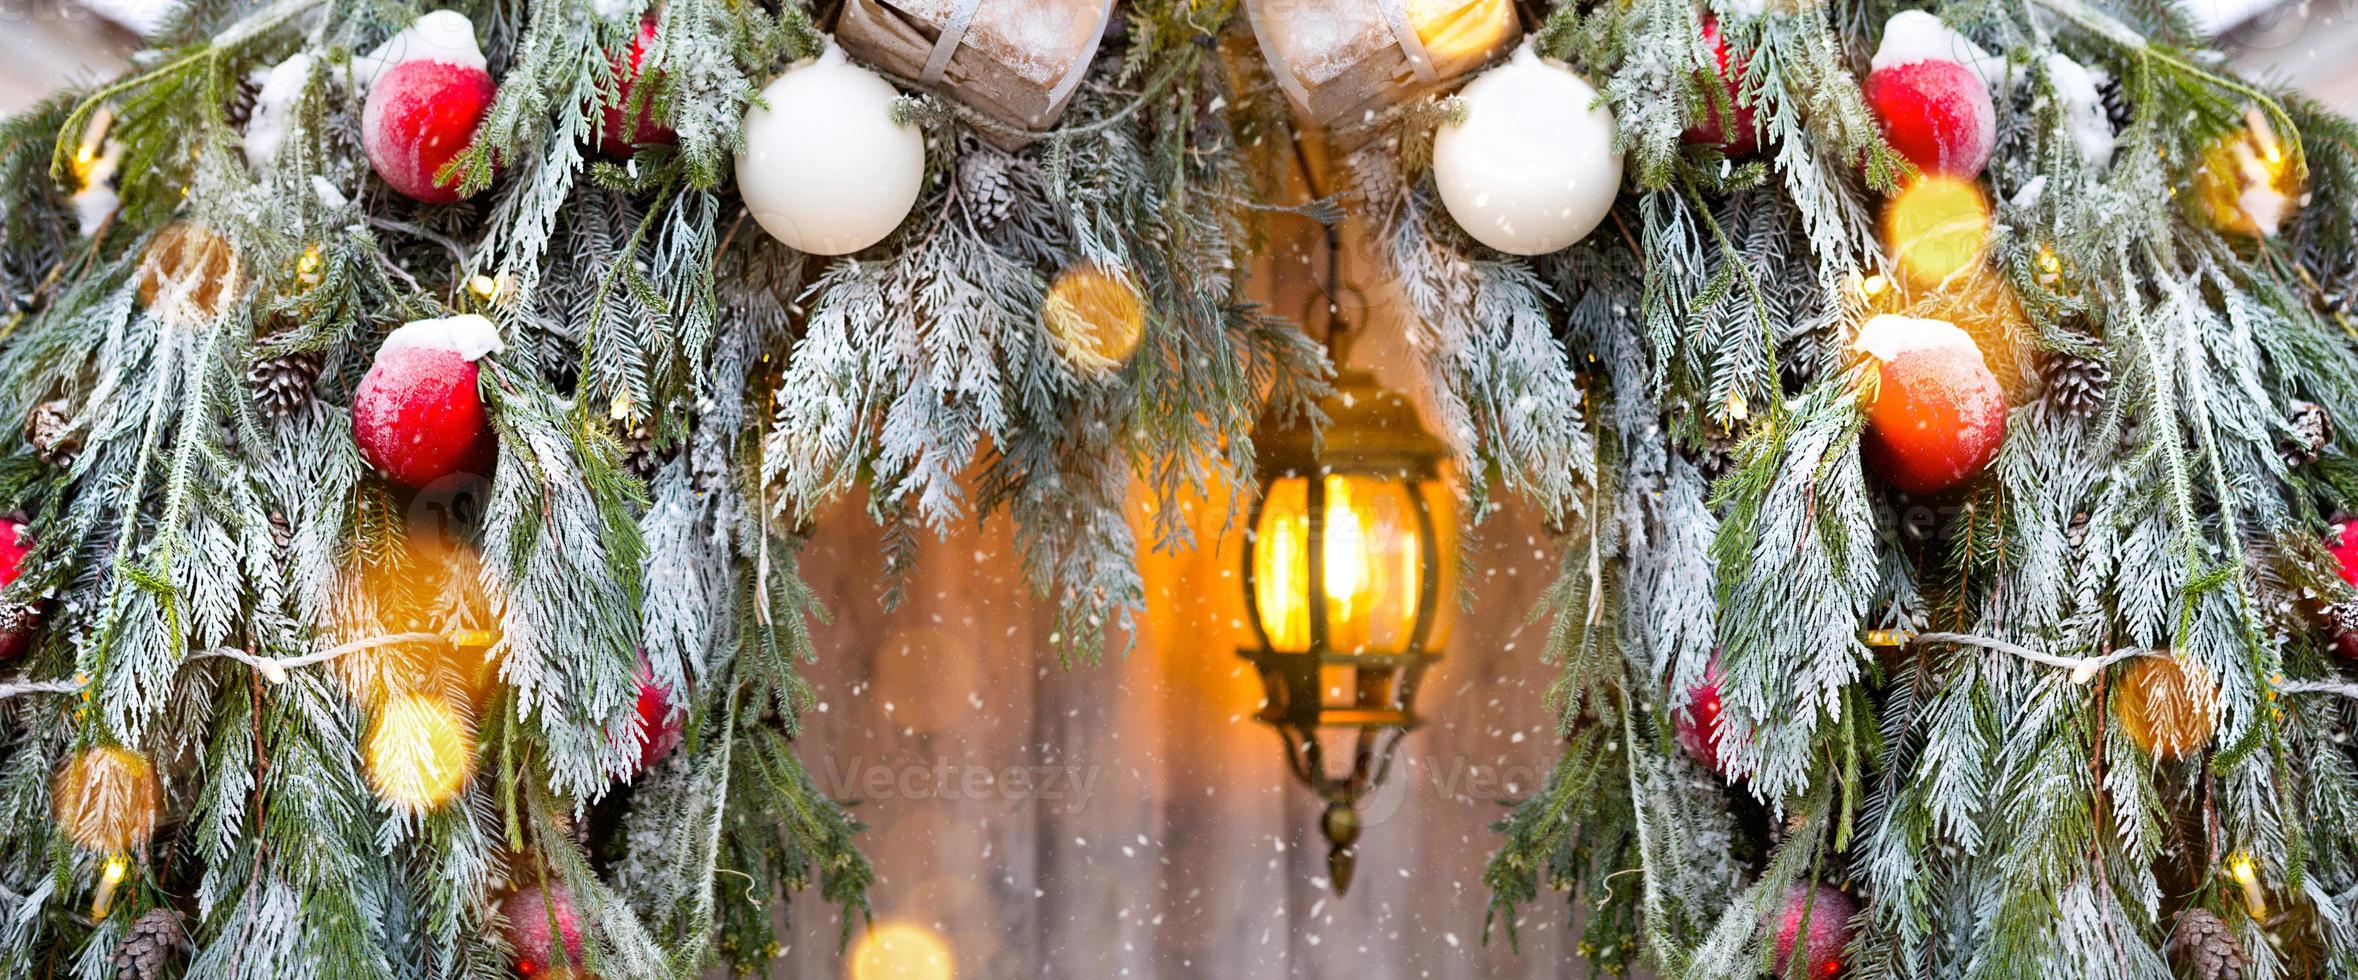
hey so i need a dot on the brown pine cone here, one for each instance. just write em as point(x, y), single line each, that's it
point(2077, 385)
point(2205, 949)
point(2311, 432)
point(155, 941)
point(283, 385)
point(51, 431)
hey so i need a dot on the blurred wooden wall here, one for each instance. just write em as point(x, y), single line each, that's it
point(48, 44)
point(1183, 848)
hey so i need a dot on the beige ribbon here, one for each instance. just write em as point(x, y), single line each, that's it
point(937, 62)
point(953, 31)
point(1419, 61)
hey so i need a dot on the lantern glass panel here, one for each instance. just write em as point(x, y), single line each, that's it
point(1373, 550)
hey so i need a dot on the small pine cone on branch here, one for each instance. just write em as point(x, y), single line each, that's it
point(51, 431)
point(638, 449)
point(986, 179)
point(283, 385)
point(2311, 430)
point(2205, 949)
point(151, 946)
point(2078, 385)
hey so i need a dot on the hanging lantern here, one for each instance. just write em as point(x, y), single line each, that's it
point(1351, 560)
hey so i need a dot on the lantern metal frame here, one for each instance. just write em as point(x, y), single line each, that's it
point(1373, 434)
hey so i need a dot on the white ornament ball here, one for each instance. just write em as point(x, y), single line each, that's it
point(1532, 168)
point(824, 169)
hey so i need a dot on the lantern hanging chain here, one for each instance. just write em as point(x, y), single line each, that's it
point(1336, 337)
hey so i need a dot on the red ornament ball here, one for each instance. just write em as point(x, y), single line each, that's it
point(2342, 617)
point(417, 413)
point(536, 916)
point(619, 134)
point(1830, 912)
point(2342, 540)
point(420, 114)
point(1938, 416)
point(1937, 114)
point(16, 619)
point(1715, 130)
point(661, 725)
point(1697, 728)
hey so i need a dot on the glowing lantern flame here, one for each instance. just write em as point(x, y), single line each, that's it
point(1372, 556)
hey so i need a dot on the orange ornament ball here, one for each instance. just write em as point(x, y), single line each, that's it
point(188, 275)
point(2168, 705)
point(106, 799)
point(1937, 416)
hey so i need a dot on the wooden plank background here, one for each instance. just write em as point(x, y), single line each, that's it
point(1184, 848)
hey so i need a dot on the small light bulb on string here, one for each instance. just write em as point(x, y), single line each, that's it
point(491, 289)
point(308, 264)
point(2050, 266)
point(2245, 183)
point(110, 878)
point(91, 155)
point(2246, 873)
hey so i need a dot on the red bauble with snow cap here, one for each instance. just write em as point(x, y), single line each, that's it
point(1737, 131)
point(621, 133)
point(536, 917)
point(16, 620)
point(428, 89)
point(1938, 416)
point(1930, 90)
point(417, 414)
point(660, 723)
point(1829, 929)
point(1697, 728)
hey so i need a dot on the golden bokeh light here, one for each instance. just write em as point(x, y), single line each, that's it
point(429, 582)
point(901, 951)
point(1452, 30)
point(419, 753)
point(1935, 229)
point(107, 798)
point(1096, 317)
point(2247, 184)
